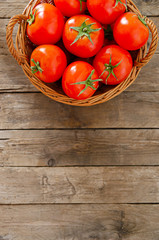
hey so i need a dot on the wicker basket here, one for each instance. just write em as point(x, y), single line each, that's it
point(54, 91)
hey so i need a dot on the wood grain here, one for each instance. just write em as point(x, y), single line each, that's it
point(73, 203)
point(12, 77)
point(79, 148)
point(79, 185)
point(10, 8)
point(148, 7)
point(34, 110)
point(86, 222)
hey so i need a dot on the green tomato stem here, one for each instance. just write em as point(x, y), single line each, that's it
point(119, 1)
point(110, 69)
point(88, 83)
point(36, 68)
point(32, 17)
point(142, 20)
point(84, 30)
point(81, 3)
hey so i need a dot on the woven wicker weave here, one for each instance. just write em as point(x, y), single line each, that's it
point(54, 91)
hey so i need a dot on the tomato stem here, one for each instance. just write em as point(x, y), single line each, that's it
point(88, 82)
point(142, 20)
point(81, 3)
point(32, 17)
point(110, 69)
point(119, 1)
point(36, 68)
point(84, 30)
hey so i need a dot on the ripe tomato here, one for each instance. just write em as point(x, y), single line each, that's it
point(70, 8)
point(130, 31)
point(48, 63)
point(45, 24)
point(106, 11)
point(80, 80)
point(83, 36)
point(113, 64)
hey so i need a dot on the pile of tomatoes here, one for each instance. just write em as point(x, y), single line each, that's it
point(84, 42)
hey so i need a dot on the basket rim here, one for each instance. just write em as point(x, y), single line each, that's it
point(141, 60)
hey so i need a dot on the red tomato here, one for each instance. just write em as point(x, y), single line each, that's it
point(130, 31)
point(113, 64)
point(70, 8)
point(45, 24)
point(83, 36)
point(48, 63)
point(80, 80)
point(106, 11)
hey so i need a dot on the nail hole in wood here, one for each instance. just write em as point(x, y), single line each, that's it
point(51, 162)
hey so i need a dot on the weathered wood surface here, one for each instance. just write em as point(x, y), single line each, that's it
point(79, 185)
point(78, 148)
point(86, 222)
point(73, 188)
point(34, 110)
point(8, 8)
point(12, 78)
point(148, 7)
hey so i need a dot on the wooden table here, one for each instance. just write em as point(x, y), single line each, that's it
point(73, 173)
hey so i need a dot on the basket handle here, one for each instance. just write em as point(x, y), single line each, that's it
point(16, 54)
point(153, 45)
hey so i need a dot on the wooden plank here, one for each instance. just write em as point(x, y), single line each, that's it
point(86, 222)
point(79, 148)
point(147, 7)
point(13, 78)
point(36, 111)
point(148, 79)
point(79, 185)
point(10, 8)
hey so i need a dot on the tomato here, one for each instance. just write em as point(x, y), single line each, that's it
point(130, 31)
point(45, 24)
point(80, 80)
point(48, 63)
point(83, 36)
point(106, 11)
point(113, 64)
point(70, 8)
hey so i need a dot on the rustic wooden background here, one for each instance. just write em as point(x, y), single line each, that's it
point(71, 173)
